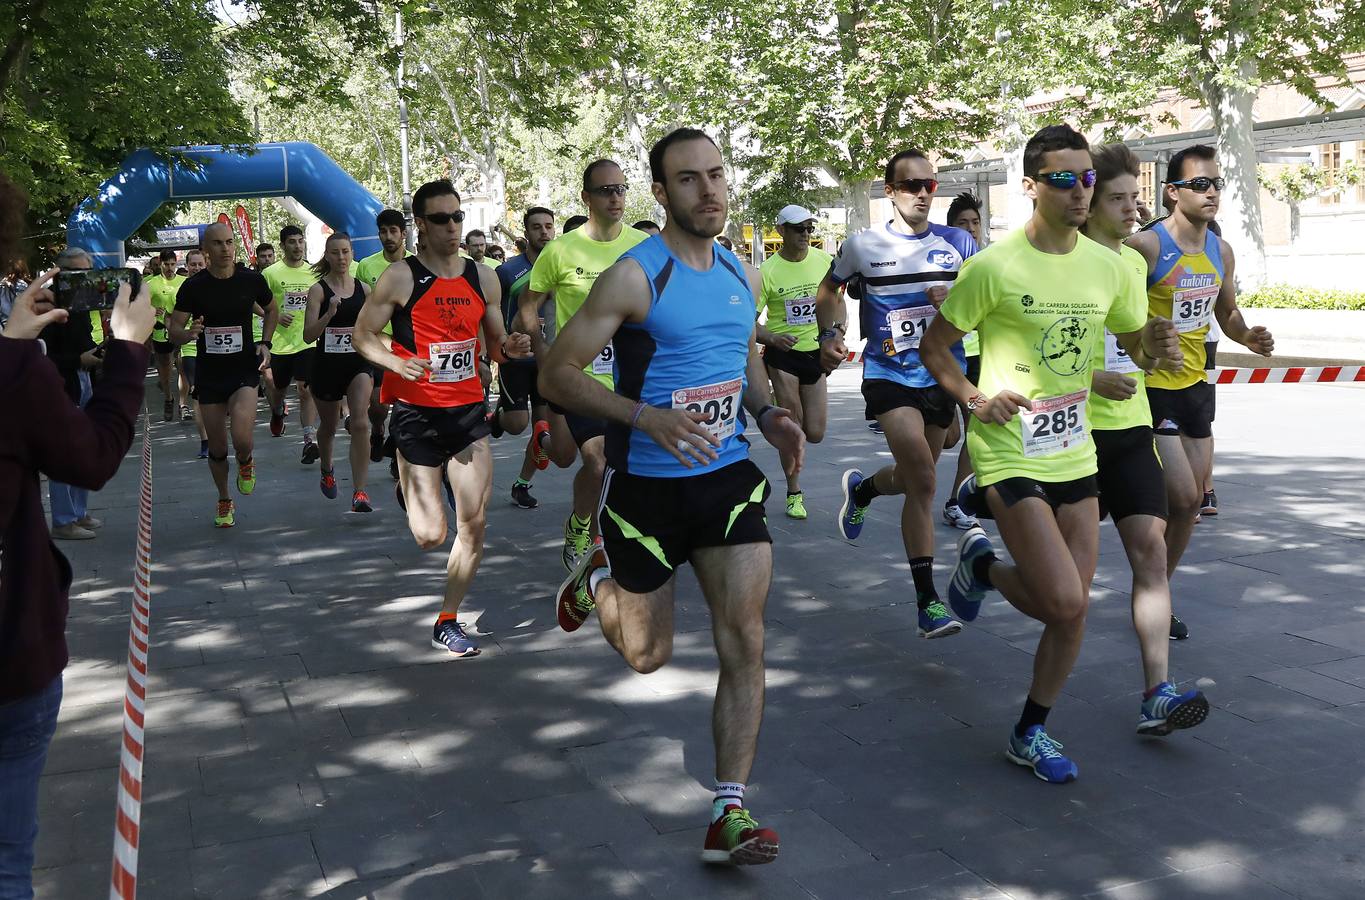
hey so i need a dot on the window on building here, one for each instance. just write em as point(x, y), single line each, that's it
point(1329, 158)
point(1147, 186)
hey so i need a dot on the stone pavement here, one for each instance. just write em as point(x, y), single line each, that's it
point(304, 740)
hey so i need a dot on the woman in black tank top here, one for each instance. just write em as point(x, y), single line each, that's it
point(339, 372)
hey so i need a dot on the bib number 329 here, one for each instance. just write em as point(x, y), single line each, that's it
point(719, 402)
point(1054, 424)
point(452, 361)
point(908, 326)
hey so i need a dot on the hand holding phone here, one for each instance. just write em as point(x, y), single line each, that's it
point(84, 290)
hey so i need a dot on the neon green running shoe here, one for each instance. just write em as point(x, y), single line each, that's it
point(796, 506)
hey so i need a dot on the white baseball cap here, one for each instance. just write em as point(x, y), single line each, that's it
point(793, 214)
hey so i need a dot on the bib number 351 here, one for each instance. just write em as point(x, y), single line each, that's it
point(452, 361)
point(719, 402)
point(1054, 424)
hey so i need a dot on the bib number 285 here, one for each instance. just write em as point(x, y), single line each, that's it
point(1054, 424)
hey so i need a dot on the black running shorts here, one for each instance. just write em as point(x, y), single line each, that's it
point(331, 379)
point(933, 402)
point(287, 367)
point(650, 526)
point(210, 388)
point(1053, 493)
point(1188, 411)
point(517, 386)
point(581, 428)
point(804, 364)
point(431, 435)
point(1130, 478)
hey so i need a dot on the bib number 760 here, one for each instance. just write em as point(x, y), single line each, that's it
point(452, 361)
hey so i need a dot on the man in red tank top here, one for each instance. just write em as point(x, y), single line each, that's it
point(443, 307)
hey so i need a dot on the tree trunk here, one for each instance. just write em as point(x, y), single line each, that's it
point(1240, 212)
point(857, 197)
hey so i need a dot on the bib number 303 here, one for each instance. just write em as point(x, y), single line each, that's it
point(1054, 424)
point(452, 361)
point(719, 402)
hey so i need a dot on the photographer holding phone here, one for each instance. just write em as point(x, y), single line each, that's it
point(41, 430)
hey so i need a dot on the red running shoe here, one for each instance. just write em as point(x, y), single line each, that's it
point(538, 454)
point(360, 502)
point(574, 602)
point(329, 484)
point(735, 839)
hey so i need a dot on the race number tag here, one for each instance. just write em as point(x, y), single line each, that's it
point(719, 402)
point(224, 340)
point(1054, 424)
point(1116, 358)
point(1192, 309)
point(800, 310)
point(295, 300)
point(908, 326)
point(602, 362)
point(452, 361)
point(337, 340)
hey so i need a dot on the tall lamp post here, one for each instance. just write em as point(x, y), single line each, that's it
point(403, 127)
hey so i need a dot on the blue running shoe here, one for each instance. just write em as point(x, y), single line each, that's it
point(449, 635)
point(934, 621)
point(851, 514)
point(1168, 709)
point(965, 593)
point(966, 495)
point(1041, 754)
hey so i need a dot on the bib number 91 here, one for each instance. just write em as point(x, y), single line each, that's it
point(908, 326)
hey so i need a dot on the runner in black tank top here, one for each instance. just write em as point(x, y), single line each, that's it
point(339, 372)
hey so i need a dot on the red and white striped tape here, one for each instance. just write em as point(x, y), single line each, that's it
point(1286, 375)
point(128, 812)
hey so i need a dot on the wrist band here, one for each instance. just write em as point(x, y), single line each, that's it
point(825, 335)
point(635, 413)
point(758, 417)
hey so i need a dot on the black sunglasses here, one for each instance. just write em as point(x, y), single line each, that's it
point(1067, 180)
point(915, 185)
point(444, 218)
point(1201, 184)
point(808, 229)
point(607, 190)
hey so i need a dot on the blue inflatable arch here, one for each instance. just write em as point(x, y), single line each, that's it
point(291, 169)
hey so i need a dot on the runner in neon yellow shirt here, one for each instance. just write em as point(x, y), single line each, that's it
point(791, 353)
point(567, 269)
point(291, 357)
point(1039, 299)
point(163, 287)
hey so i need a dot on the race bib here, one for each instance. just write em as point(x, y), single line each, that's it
point(225, 340)
point(337, 340)
point(908, 326)
point(295, 300)
point(719, 402)
point(1116, 358)
point(452, 361)
point(1054, 424)
point(602, 362)
point(1192, 309)
point(800, 310)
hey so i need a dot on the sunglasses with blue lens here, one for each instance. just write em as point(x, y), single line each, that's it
point(1201, 184)
point(1067, 180)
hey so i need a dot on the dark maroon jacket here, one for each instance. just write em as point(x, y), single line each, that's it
point(41, 430)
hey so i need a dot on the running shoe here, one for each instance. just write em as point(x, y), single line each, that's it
point(575, 602)
point(538, 454)
point(796, 506)
point(449, 635)
point(935, 622)
point(1179, 630)
point(577, 542)
point(735, 839)
point(168, 410)
point(328, 484)
point(277, 423)
point(875, 427)
point(851, 514)
point(187, 415)
point(1041, 754)
point(377, 446)
point(1168, 709)
point(360, 502)
point(246, 477)
point(393, 468)
point(965, 593)
point(1210, 505)
point(311, 453)
point(203, 449)
point(223, 518)
point(954, 516)
point(521, 496)
point(966, 497)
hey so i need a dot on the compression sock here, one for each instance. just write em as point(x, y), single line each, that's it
point(1033, 714)
point(728, 793)
point(922, 570)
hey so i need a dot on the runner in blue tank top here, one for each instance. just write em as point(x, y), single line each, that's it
point(680, 487)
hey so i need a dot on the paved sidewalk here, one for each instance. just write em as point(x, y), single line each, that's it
point(304, 740)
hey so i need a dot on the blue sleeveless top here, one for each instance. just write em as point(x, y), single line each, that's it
point(691, 352)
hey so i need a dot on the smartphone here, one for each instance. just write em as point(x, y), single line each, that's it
point(83, 290)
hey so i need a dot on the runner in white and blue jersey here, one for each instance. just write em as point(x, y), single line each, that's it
point(905, 266)
point(679, 485)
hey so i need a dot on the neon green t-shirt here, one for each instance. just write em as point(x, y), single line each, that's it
point(1038, 316)
point(290, 286)
point(96, 327)
point(788, 294)
point(1113, 415)
point(568, 268)
point(163, 292)
point(371, 267)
